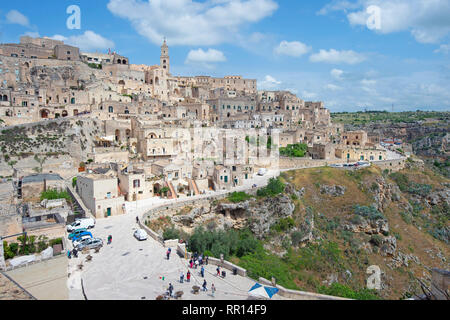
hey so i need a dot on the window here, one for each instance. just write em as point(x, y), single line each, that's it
point(108, 195)
point(110, 109)
point(137, 183)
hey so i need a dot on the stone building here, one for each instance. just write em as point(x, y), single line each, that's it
point(100, 194)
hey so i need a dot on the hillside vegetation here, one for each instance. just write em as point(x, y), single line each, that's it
point(320, 229)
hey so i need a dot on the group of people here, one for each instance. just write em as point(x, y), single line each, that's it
point(74, 253)
point(204, 286)
point(198, 260)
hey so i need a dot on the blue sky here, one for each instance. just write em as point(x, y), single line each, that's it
point(321, 50)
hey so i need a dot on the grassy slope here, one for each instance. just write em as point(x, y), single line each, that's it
point(308, 267)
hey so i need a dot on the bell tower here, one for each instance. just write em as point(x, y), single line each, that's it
point(165, 59)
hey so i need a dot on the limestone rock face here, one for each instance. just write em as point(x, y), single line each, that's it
point(292, 190)
point(368, 226)
point(385, 193)
point(267, 213)
point(389, 246)
point(402, 259)
point(334, 191)
point(439, 197)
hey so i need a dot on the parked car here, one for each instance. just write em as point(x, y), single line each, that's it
point(86, 223)
point(76, 232)
point(91, 243)
point(262, 171)
point(80, 240)
point(140, 234)
point(81, 235)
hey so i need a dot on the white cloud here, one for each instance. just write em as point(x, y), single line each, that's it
point(88, 41)
point(366, 82)
point(337, 57)
point(426, 20)
point(269, 83)
point(205, 58)
point(15, 17)
point(333, 87)
point(32, 34)
point(189, 22)
point(308, 95)
point(293, 49)
point(444, 48)
point(337, 6)
point(337, 74)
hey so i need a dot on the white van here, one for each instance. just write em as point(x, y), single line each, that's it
point(87, 223)
point(262, 171)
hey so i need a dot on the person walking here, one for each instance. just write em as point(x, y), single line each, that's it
point(205, 286)
point(170, 290)
point(196, 264)
point(218, 271)
point(191, 263)
point(168, 253)
point(213, 290)
point(137, 220)
point(188, 276)
point(181, 277)
point(207, 258)
point(75, 253)
point(69, 254)
point(202, 271)
point(109, 239)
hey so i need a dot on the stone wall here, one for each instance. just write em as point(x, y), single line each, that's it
point(298, 295)
point(151, 233)
point(2, 258)
point(392, 165)
point(303, 163)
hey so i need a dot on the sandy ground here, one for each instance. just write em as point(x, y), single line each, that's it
point(129, 269)
point(45, 280)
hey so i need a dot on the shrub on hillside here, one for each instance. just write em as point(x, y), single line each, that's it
point(236, 197)
point(340, 290)
point(275, 187)
point(229, 243)
point(370, 213)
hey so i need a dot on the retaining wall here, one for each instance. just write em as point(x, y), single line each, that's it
point(298, 295)
point(392, 165)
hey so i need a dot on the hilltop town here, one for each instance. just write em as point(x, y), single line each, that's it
point(112, 139)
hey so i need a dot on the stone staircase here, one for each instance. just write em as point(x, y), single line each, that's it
point(194, 187)
point(78, 205)
point(173, 193)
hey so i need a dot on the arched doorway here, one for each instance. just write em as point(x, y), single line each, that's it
point(156, 188)
point(128, 134)
point(117, 134)
point(157, 81)
point(5, 97)
point(45, 113)
point(65, 113)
